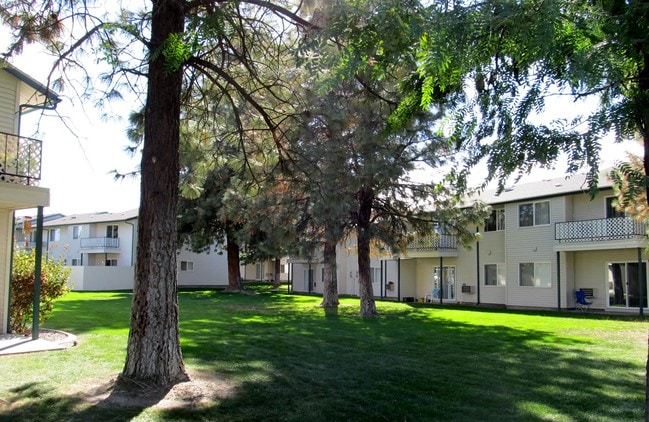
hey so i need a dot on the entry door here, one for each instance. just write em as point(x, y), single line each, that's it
point(445, 280)
point(308, 280)
point(624, 284)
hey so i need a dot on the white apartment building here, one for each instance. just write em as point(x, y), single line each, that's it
point(543, 241)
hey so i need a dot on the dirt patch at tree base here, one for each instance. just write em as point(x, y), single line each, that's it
point(201, 390)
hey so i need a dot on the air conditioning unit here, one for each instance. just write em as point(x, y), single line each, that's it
point(466, 289)
point(389, 285)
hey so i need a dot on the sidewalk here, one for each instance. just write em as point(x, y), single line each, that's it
point(11, 344)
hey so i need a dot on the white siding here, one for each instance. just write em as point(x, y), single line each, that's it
point(101, 278)
point(209, 269)
point(585, 208)
point(8, 106)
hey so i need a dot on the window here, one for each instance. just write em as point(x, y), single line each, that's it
point(535, 274)
point(77, 262)
point(259, 271)
point(375, 275)
point(494, 275)
point(111, 262)
point(534, 214)
point(111, 232)
point(611, 211)
point(55, 235)
point(186, 266)
point(76, 232)
point(496, 221)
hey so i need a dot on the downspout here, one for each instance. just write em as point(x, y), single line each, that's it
point(641, 282)
point(381, 278)
point(441, 280)
point(132, 240)
point(559, 281)
point(399, 279)
point(11, 264)
point(37, 273)
point(477, 256)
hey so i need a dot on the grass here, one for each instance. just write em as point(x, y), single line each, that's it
point(279, 357)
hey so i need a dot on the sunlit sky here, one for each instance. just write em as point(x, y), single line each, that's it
point(81, 150)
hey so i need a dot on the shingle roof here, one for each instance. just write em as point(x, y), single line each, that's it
point(97, 217)
point(541, 189)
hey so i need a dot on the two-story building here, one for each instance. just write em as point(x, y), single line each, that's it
point(20, 164)
point(100, 249)
point(543, 241)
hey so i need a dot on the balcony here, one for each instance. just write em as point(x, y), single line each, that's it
point(20, 159)
point(99, 244)
point(601, 230)
point(432, 243)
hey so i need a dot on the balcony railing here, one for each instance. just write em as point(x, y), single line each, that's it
point(99, 243)
point(20, 159)
point(600, 230)
point(433, 243)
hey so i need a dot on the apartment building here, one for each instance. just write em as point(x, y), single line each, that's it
point(20, 163)
point(543, 241)
point(100, 248)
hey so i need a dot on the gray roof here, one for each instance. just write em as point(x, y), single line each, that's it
point(547, 188)
point(97, 217)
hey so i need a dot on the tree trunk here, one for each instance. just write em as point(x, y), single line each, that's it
point(276, 279)
point(234, 276)
point(366, 199)
point(330, 282)
point(153, 353)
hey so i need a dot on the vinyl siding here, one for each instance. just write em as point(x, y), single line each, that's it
point(492, 251)
point(8, 101)
point(5, 252)
point(531, 244)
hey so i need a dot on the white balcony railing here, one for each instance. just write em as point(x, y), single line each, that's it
point(433, 242)
point(99, 243)
point(600, 230)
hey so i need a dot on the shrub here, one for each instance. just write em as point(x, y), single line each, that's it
point(54, 278)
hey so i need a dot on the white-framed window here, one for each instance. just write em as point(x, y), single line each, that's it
point(55, 235)
point(282, 268)
point(535, 274)
point(259, 271)
point(534, 214)
point(495, 221)
point(375, 275)
point(77, 262)
point(111, 262)
point(111, 231)
point(494, 275)
point(186, 266)
point(76, 231)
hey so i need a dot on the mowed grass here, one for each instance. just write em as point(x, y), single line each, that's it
point(280, 357)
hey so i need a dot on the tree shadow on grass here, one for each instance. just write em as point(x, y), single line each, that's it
point(273, 364)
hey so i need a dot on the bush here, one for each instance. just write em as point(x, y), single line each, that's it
point(54, 278)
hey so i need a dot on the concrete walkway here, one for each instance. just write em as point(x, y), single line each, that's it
point(11, 344)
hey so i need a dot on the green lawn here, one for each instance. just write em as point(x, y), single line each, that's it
point(276, 356)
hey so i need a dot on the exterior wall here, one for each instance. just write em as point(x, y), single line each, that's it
point(208, 269)
point(8, 100)
point(585, 208)
point(6, 224)
point(101, 278)
point(591, 272)
point(68, 248)
point(492, 251)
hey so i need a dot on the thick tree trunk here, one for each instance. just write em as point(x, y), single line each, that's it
point(330, 282)
point(153, 353)
point(366, 199)
point(234, 276)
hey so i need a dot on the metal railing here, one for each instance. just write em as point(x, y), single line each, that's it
point(600, 230)
point(433, 242)
point(99, 243)
point(20, 159)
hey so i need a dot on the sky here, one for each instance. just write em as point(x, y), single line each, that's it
point(81, 149)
